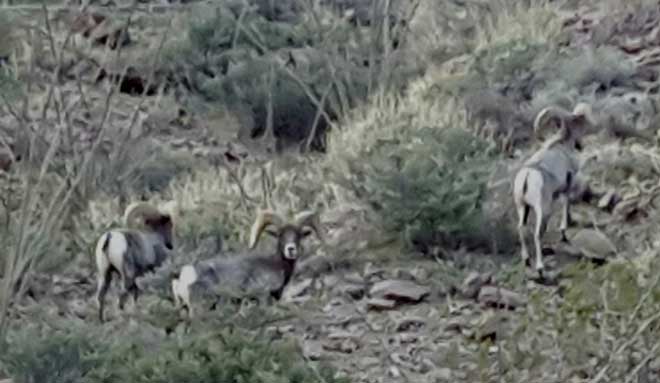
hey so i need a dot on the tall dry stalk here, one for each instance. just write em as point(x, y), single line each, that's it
point(40, 214)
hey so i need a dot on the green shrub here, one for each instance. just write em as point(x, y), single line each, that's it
point(58, 358)
point(419, 170)
point(92, 354)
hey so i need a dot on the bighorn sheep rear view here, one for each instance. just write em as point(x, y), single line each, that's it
point(550, 173)
point(259, 272)
point(132, 252)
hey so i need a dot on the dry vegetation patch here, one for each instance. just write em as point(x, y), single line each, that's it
point(411, 118)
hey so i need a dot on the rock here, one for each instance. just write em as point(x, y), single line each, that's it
point(369, 362)
point(78, 308)
point(394, 372)
point(346, 346)
point(351, 290)
point(312, 350)
point(380, 304)
point(442, 374)
point(500, 297)
point(410, 323)
point(593, 244)
point(609, 200)
point(626, 208)
point(399, 290)
point(488, 326)
point(473, 283)
point(5, 160)
point(294, 291)
point(455, 324)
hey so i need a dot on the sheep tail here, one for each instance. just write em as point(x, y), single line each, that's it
point(106, 243)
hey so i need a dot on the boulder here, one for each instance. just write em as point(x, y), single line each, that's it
point(399, 291)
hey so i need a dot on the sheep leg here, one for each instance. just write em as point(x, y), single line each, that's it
point(541, 226)
point(523, 213)
point(127, 289)
point(566, 216)
point(104, 280)
point(136, 293)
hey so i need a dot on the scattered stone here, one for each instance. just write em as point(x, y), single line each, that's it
point(371, 272)
point(5, 160)
point(500, 297)
point(297, 290)
point(473, 283)
point(627, 208)
point(345, 346)
point(352, 290)
point(394, 372)
point(455, 324)
point(380, 304)
point(312, 349)
point(594, 244)
point(410, 323)
point(609, 200)
point(442, 374)
point(399, 290)
point(488, 326)
point(369, 362)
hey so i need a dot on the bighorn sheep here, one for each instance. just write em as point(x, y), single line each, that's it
point(260, 272)
point(132, 252)
point(550, 173)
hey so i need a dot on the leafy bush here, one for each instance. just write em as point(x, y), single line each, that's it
point(59, 358)
point(420, 171)
point(94, 355)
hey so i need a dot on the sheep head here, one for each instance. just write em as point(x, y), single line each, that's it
point(572, 126)
point(152, 219)
point(289, 234)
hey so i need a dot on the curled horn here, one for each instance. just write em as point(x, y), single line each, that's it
point(143, 209)
point(311, 219)
point(264, 218)
point(551, 113)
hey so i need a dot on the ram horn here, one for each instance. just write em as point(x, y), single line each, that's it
point(143, 209)
point(310, 218)
point(548, 114)
point(264, 218)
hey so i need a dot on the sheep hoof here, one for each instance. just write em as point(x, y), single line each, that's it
point(564, 239)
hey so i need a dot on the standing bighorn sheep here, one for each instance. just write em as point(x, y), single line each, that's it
point(550, 173)
point(261, 272)
point(132, 252)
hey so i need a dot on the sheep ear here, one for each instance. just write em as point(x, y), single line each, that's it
point(273, 233)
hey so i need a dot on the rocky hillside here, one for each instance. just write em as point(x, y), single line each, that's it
point(401, 121)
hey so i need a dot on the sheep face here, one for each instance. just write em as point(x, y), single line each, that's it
point(162, 226)
point(289, 239)
point(289, 234)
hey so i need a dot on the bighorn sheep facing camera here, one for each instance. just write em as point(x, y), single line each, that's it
point(550, 173)
point(262, 272)
point(132, 252)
